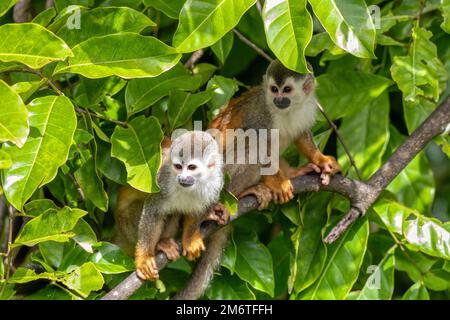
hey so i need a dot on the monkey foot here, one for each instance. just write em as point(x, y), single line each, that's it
point(261, 192)
point(282, 193)
point(146, 267)
point(193, 249)
point(169, 247)
point(218, 213)
point(328, 166)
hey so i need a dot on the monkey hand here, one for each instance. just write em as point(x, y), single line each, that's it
point(328, 167)
point(305, 169)
point(193, 248)
point(218, 213)
point(262, 193)
point(169, 247)
point(146, 267)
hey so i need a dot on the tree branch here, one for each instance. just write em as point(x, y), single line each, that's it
point(252, 45)
point(361, 194)
point(22, 11)
point(193, 59)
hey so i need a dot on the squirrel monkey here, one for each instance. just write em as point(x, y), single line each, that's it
point(190, 180)
point(285, 101)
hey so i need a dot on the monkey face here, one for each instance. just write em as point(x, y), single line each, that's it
point(289, 91)
point(189, 173)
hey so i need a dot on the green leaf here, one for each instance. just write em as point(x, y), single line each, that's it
point(229, 201)
point(45, 17)
point(103, 21)
point(23, 275)
point(288, 27)
point(445, 8)
point(416, 292)
point(222, 48)
point(110, 167)
point(37, 207)
point(343, 94)
point(52, 125)
point(204, 22)
point(380, 284)
point(420, 73)
point(414, 186)
point(320, 42)
point(366, 134)
point(416, 113)
point(26, 88)
point(142, 93)
point(281, 261)
point(60, 4)
point(110, 259)
point(229, 256)
point(341, 269)
point(254, 263)
point(5, 5)
point(437, 279)
point(85, 279)
point(136, 57)
point(183, 104)
point(32, 45)
point(13, 116)
point(417, 270)
point(92, 185)
point(52, 252)
point(171, 8)
point(85, 237)
point(224, 90)
point(66, 15)
point(229, 287)
point(139, 147)
point(5, 160)
point(52, 225)
point(204, 71)
point(90, 92)
point(349, 25)
point(310, 252)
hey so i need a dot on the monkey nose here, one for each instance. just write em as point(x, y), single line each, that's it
point(282, 102)
point(185, 181)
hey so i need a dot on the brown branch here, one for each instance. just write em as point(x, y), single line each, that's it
point(9, 251)
point(22, 11)
point(196, 55)
point(252, 45)
point(361, 194)
point(49, 4)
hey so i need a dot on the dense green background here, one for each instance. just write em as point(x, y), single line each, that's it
point(82, 111)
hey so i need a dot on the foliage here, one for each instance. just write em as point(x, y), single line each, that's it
point(88, 90)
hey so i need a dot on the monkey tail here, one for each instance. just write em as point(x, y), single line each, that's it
point(208, 263)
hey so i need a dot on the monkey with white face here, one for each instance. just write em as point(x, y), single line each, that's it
point(285, 101)
point(190, 181)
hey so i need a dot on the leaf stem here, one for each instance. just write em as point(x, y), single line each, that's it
point(8, 259)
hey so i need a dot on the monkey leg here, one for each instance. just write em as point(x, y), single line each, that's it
point(167, 244)
point(146, 267)
point(191, 240)
point(218, 213)
point(327, 164)
point(262, 193)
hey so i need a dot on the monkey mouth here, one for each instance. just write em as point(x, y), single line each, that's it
point(282, 103)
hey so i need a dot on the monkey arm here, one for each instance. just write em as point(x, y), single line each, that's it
point(192, 240)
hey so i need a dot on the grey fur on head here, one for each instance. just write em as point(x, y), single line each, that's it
point(279, 73)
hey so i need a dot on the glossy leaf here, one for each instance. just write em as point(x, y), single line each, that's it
point(342, 266)
point(85, 237)
point(288, 27)
point(224, 90)
point(32, 45)
point(420, 73)
point(142, 93)
point(183, 104)
point(26, 88)
point(138, 146)
point(37, 207)
point(309, 250)
point(171, 8)
point(223, 47)
point(45, 17)
point(52, 225)
point(366, 134)
point(204, 22)
point(349, 25)
point(13, 116)
point(5, 5)
point(345, 93)
point(416, 113)
point(136, 57)
point(23, 275)
point(445, 7)
point(85, 279)
point(109, 259)
point(90, 92)
point(52, 125)
point(254, 263)
point(380, 284)
point(229, 287)
point(103, 21)
point(416, 292)
point(281, 262)
point(5, 160)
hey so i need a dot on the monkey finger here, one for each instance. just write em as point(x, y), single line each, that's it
point(325, 179)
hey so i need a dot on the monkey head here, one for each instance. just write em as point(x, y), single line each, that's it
point(284, 87)
point(195, 159)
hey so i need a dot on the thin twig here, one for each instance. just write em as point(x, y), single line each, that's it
point(196, 55)
point(8, 259)
point(22, 11)
point(252, 45)
point(341, 139)
point(120, 123)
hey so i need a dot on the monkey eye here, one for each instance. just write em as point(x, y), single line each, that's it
point(178, 166)
point(274, 89)
point(287, 89)
point(192, 167)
